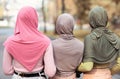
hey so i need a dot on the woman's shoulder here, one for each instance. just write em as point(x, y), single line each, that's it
point(9, 38)
point(78, 40)
point(90, 36)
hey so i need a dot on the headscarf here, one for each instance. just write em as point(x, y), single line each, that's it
point(68, 51)
point(27, 45)
point(65, 25)
point(101, 45)
point(98, 17)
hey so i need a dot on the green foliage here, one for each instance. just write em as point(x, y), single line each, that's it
point(83, 6)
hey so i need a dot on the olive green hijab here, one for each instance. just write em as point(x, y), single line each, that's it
point(101, 45)
point(98, 17)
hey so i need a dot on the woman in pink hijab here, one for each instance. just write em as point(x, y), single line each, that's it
point(28, 52)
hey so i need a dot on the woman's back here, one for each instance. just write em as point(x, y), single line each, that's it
point(67, 50)
point(67, 54)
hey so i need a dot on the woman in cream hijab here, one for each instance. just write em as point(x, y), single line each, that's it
point(68, 50)
point(102, 47)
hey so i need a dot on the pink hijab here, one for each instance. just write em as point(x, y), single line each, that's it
point(27, 45)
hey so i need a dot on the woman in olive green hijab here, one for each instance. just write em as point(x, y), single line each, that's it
point(102, 47)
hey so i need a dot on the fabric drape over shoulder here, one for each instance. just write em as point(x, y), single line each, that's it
point(101, 45)
point(27, 44)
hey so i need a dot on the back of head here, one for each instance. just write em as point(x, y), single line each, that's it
point(26, 19)
point(27, 13)
point(98, 17)
point(65, 24)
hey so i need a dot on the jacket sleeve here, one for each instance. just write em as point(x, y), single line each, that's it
point(50, 68)
point(85, 66)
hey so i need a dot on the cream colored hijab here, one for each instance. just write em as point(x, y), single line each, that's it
point(68, 50)
point(65, 25)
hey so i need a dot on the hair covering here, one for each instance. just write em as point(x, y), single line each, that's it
point(65, 26)
point(98, 17)
point(68, 51)
point(101, 45)
point(27, 44)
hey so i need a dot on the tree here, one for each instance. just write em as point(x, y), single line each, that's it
point(116, 1)
point(83, 6)
point(117, 5)
point(116, 15)
point(63, 6)
point(44, 16)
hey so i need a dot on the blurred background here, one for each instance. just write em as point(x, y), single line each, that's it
point(49, 10)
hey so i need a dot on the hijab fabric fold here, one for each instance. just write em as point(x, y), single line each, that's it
point(27, 45)
point(105, 45)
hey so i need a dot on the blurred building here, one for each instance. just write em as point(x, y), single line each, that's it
point(9, 10)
